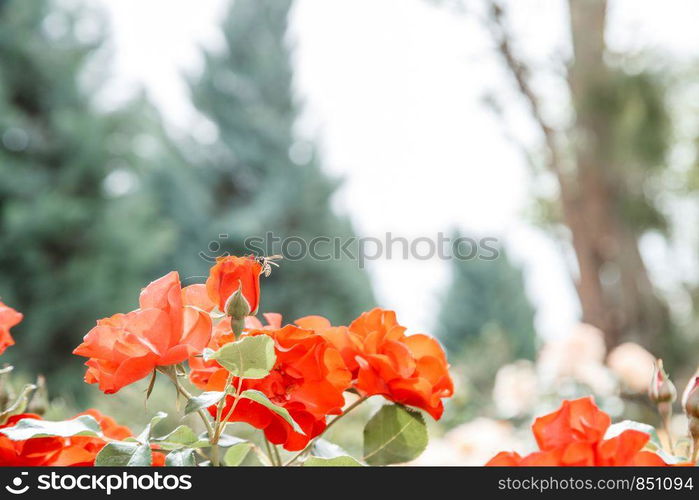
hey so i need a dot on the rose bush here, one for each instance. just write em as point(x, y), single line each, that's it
point(290, 381)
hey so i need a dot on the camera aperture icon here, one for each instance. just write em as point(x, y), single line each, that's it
point(16, 487)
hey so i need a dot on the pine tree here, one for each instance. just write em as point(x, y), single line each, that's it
point(261, 182)
point(487, 296)
point(77, 239)
point(486, 321)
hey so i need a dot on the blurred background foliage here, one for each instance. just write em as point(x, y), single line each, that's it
point(95, 203)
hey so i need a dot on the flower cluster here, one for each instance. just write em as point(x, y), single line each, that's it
point(286, 380)
point(315, 362)
point(574, 435)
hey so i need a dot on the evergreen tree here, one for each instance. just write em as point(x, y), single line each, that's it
point(486, 321)
point(77, 239)
point(265, 179)
point(487, 296)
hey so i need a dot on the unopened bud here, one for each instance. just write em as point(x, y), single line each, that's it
point(237, 306)
point(661, 389)
point(690, 402)
point(690, 398)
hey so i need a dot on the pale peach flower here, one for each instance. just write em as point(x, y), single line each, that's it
point(516, 389)
point(578, 357)
point(633, 365)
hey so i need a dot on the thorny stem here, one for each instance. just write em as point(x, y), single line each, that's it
point(332, 422)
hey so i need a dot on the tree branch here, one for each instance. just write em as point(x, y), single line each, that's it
point(520, 73)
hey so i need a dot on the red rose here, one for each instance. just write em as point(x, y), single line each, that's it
point(166, 330)
point(308, 380)
point(407, 369)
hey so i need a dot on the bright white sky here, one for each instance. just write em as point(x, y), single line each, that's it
point(393, 92)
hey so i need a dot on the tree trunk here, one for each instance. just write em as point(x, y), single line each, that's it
point(613, 285)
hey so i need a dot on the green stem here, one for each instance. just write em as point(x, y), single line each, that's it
point(268, 449)
point(215, 461)
point(204, 418)
point(666, 425)
point(219, 409)
point(221, 425)
point(277, 455)
point(332, 422)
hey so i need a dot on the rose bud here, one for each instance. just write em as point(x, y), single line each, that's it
point(237, 306)
point(690, 402)
point(661, 389)
point(235, 274)
point(690, 398)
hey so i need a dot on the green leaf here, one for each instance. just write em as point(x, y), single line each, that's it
point(204, 400)
point(19, 404)
point(181, 458)
point(322, 448)
point(667, 458)
point(236, 454)
point(344, 461)
point(616, 429)
point(395, 434)
point(259, 397)
point(124, 454)
point(249, 357)
point(226, 440)
point(29, 428)
point(144, 436)
point(181, 437)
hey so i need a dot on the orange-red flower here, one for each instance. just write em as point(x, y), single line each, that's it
point(81, 451)
point(76, 451)
point(166, 330)
point(406, 369)
point(308, 380)
point(574, 436)
point(231, 273)
point(8, 318)
point(30, 453)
